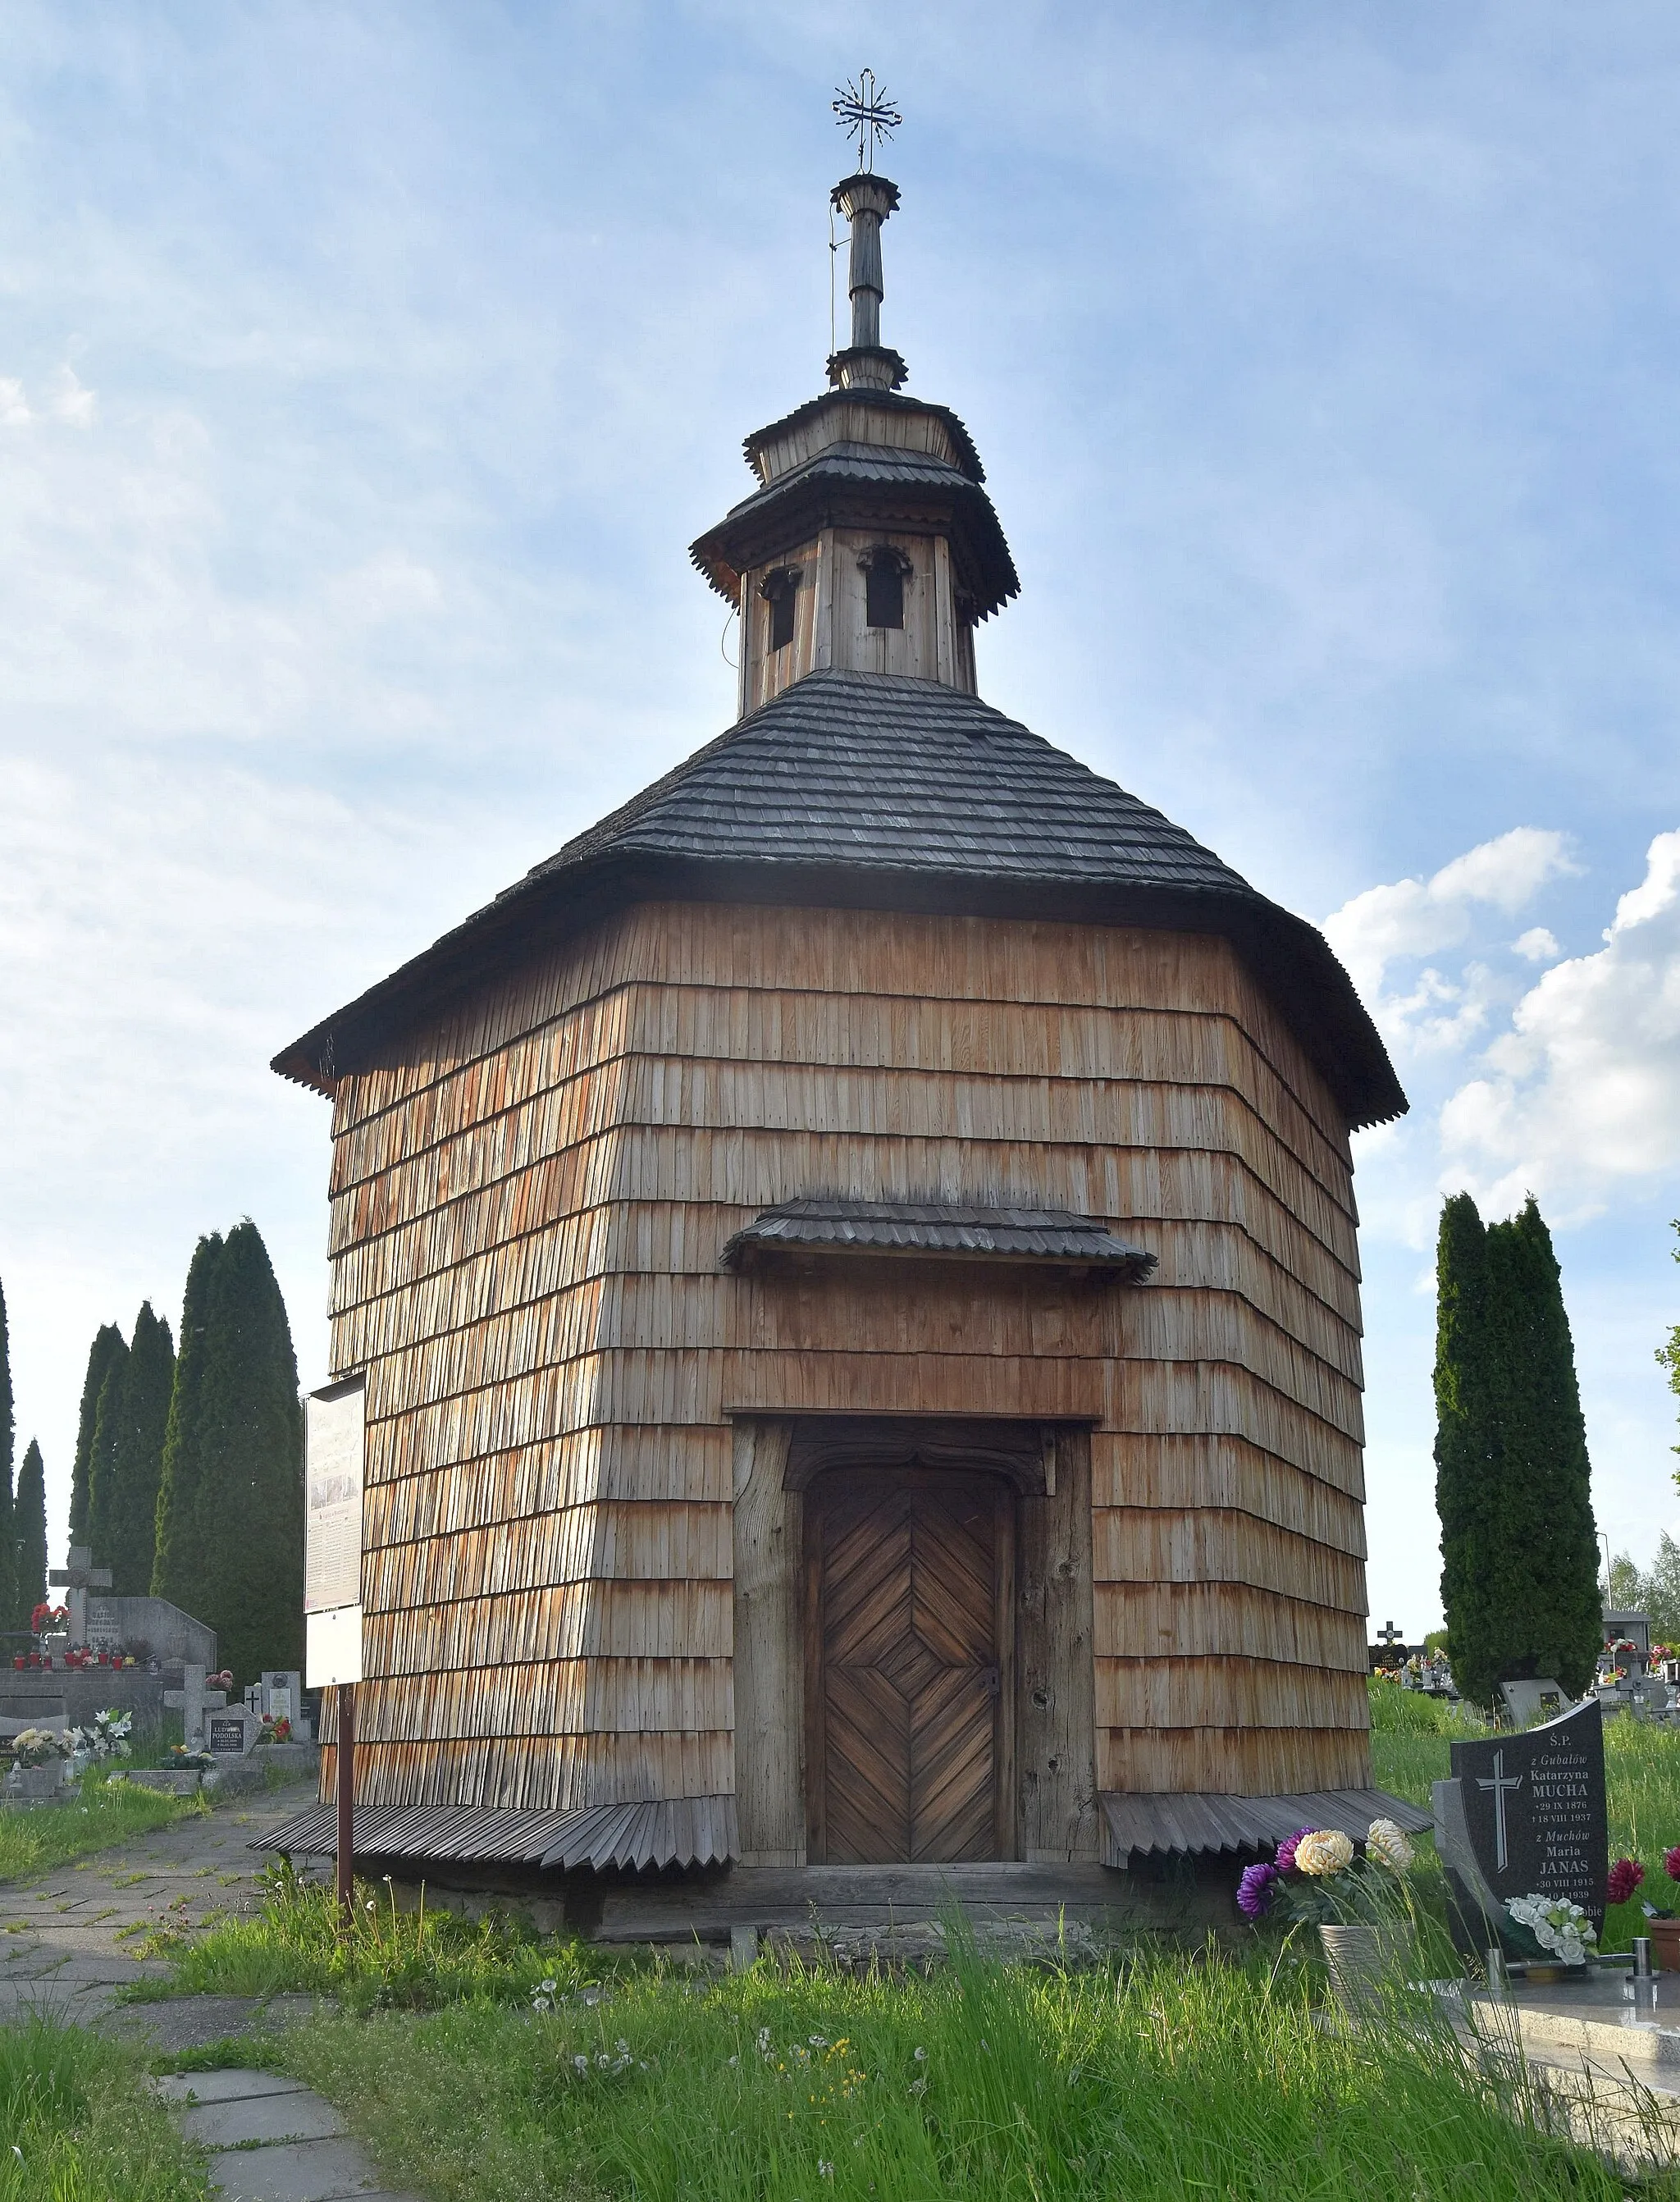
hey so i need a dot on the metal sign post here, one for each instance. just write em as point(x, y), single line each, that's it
point(346, 1788)
point(334, 1422)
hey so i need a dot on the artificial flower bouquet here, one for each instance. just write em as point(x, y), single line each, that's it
point(275, 1731)
point(179, 1755)
point(1548, 1928)
point(105, 1736)
point(47, 1619)
point(1320, 1875)
point(40, 1746)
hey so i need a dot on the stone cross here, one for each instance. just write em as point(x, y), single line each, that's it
point(1390, 1635)
point(192, 1701)
point(78, 1579)
point(1499, 1781)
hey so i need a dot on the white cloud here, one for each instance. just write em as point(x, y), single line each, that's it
point(71, 400)
point(1419, 917)
point(1536, 946)
point(1582, 1094)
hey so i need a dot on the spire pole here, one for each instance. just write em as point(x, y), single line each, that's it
point(865, 199)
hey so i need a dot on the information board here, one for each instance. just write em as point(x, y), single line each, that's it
point(332, 1474)
point(334, 1428)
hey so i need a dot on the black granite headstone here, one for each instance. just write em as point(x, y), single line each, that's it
point(227, 1733)
point(1524, 1815)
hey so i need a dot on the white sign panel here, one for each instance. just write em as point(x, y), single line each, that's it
point(332, 1647)
point(333, 1427)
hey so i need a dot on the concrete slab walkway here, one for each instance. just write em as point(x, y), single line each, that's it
point(66, 1941)
point(273, 2140)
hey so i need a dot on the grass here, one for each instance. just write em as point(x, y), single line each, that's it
point(77, 2123)
point(35, 1841)
point(1160, 2079)
point(411, 1960)
point(477, 2058)
point(1410, 1738)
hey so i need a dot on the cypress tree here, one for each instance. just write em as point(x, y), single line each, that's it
point(108, 1419)
point(128, 1455)
point(1465, 1477)
point(1520, 1549)
point(31, 1546)
point(1547, 1584)
point(7, 1433)
point(177, 1558)
point(250, 1499)
point(108, 1344)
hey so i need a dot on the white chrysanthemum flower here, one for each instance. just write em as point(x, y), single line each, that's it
point(1387, 1845)
point(1323, 1852)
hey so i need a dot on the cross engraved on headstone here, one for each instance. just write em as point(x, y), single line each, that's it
point(1524, 1815)
point(80, 1577)
point(192, 1701)
point(1499, 1781)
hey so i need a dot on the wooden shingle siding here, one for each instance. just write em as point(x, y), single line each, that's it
point(530, 1201)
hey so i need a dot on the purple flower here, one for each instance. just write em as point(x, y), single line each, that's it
point(1286, 1849)
point(1254, 1890)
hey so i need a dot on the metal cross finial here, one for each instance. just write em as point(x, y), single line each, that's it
point(865, 111)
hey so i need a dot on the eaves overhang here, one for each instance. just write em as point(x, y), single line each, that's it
point(1290, 958)
point(838, 492)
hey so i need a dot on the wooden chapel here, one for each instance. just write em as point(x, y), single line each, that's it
point(854, 1267)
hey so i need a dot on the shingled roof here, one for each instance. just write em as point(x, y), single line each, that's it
point(835, 1223)
point(864, 791)
point(869, 485)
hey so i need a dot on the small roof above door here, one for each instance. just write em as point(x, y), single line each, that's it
point(834, 1224)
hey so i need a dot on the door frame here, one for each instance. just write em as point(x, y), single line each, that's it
point(776, 1453)
point(1005, 1502)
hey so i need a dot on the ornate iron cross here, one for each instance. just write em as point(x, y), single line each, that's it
point(864, 111)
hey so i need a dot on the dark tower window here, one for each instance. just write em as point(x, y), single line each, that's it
point(778, 590)
point(884, 572)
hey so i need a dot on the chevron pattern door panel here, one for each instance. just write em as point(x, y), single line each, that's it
point(906, 1582)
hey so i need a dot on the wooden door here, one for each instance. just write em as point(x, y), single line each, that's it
point(909, 1576)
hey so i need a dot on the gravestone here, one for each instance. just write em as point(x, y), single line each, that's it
point(1527, 1702)
point(151, 1627)
point(1524, 1815)
point(231, 1731)
point(80, 1577)
point(282, 1700)
point(192, 1701)
point(1635, 1627)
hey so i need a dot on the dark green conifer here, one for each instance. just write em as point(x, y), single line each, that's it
point(1546, 1586)
point(108, 1419)
point(1465, 1475)
point(30, 1545)
point(177, 1558)
point(250, 1498)
point(1519, 1548)
point(108, 1345)
point(127, 1465)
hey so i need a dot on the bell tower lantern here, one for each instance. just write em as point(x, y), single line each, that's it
point(870, 544)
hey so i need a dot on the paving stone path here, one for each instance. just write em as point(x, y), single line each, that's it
point(273, 2141)
point(67, 1945)
point(68, 1942)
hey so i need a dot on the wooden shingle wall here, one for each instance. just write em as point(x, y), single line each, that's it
point(529, 1202)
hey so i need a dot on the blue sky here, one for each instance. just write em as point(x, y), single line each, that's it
point(365, 372)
